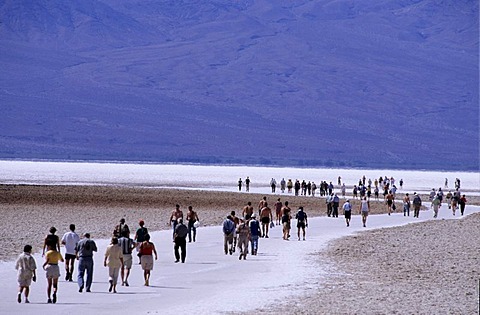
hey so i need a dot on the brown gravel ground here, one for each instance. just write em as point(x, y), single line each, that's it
point(33, 209)
point(421, 268)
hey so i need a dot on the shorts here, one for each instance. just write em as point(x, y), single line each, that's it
point(127, 261)
point(301, 224)
point(266, 220)
point(25, 278)
point(52, 271)
point(70, 256)
point(365, 213)
point(147, 262)
point(389, 202)
point(348, 214)
point(286, 225)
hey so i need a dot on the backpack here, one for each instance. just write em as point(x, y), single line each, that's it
point(300, 216)
point(228, 226)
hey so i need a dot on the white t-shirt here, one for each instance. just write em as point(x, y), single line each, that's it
point(71, 240)
point(364, 206)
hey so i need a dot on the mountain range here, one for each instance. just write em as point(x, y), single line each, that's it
point(327, 83)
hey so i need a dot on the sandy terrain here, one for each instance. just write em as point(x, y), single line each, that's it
point(97, 209)
point(422, 268)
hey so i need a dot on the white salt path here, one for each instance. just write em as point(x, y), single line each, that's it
point(209, 282)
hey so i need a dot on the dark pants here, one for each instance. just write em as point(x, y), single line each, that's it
point(85, 264)
point(335, 210)
point(191, 229)
point(180, 243)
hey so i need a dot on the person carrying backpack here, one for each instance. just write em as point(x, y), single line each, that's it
point(228, 233)
point(417, 203)
point(139, 238)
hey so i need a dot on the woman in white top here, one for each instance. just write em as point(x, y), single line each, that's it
point(364, 208)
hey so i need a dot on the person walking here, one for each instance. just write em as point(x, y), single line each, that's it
point(364, 209)
point(406, 205)
point(127, 245)
point(70, 240)
point(347, 211)
point(335, 205)
point(51, 240)
point(236, 221)
point(147, 249)
point(390, 199)
point(240, 184)
point(140, 238)
point(283, 184)
point(247, 184)
point(462, 202)
point(417, 203)
point(52, 271)
point(243, 233)
point(84, 253)
point(266, 217)
point(273, 185)
point(26, 272)
point(181, 232)
point(114, 260)
point(254, 226)
point(286, 221)
point(302, 222)
point(436, 204)
point(289, 186)
point(176, 214)
point(192, 217)
point(228, 233)
point(278, 210)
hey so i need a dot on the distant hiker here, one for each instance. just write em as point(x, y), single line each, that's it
point(286, 221)
point(364, 209)
point(463, 201)
point(329, 203)
point(240, 184)
point(314, 189)
point(302, 222)
point(449, 199)
point(339, 182)
point(140, 237)
point(297, 187)
point(446, 182)
point(228, 228)
point(347, 211)
point(278, 210)
point(84, 253)
point(25, 266)
point(355, 192)
point(180, 237)
point(243, 233)
point(273, 185)
point(376, 192)
point(417, 203)
point(117, 232)
point(406, 205)
point(127, 245)
point(192, 219)
point(254, 226)
point(283, 185)
point(289, 186)
point(432, 195)
point(114, 260)
point(176, 214)
point(436, 204)
point(147, 249)
point(335, 205)
point(344, 190)
point(52, 257)
point(266, 217)
point(401, 183)
point(390, 199)
point(70, 240)
point(51, 240)
point(247, 184)
point(247, 211)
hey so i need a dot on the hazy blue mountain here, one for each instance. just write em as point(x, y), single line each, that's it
point(390, 83)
